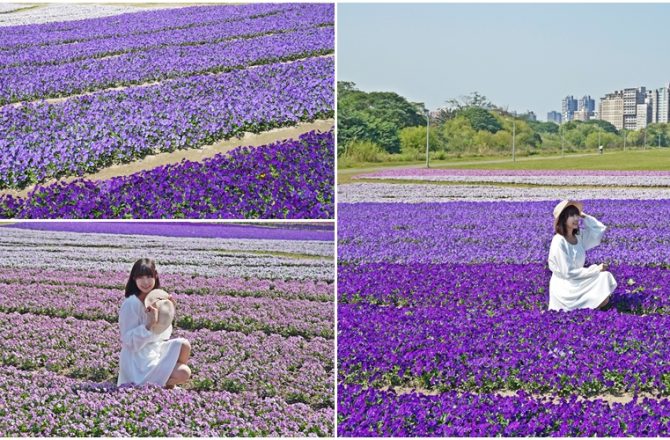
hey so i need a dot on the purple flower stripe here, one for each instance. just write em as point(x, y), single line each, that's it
point(16, 38)
point(496, 232)
point(312, 290)
point(216, 312)
point(324, 232)
point(33, 82)
point(45, 404)
point(455, 348)
point(483, 287)
point(88, 133)
point(299, 17)
point(268, 365)
point(290, 179)
point(373, 413)
point(436, 172)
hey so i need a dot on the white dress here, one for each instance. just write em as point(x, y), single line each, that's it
point(145, 356)
point(572, 285)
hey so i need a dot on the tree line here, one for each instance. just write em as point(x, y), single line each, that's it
point(383, 125)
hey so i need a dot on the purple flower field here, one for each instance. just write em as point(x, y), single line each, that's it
point(138, 84)
point(262, 349)
point(320, 232)
point(443, 327)
point(291, 179)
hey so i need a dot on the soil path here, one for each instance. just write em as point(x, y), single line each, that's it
point(197, 155)
point(609, 398)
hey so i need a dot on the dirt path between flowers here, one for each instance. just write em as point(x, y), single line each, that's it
point(195, 155)
point(609, 398)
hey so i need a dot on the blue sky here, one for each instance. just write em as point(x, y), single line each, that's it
point(524, 56)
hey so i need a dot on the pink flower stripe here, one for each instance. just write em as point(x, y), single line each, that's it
point(178, 283)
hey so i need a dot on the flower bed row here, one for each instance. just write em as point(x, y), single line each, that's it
point(143, 22)
point(455, 348)
point(42, 141)
point(322, 232)
point(551, 180)
point(292, 368)
point(17, 15)
point(300, 17)
point(505, 232)
point(374, 413)
point(455, 172)
point(45, 81)
point(489, 287)
point(99, 253)
point(311, 290)
point(437, 193)
point(44, 404)
point(215, 312)
point(290, 179)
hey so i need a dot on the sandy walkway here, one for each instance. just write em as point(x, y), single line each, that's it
point(197, 155)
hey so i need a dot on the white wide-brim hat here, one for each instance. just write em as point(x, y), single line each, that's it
point(564, 204)
point(166, 309)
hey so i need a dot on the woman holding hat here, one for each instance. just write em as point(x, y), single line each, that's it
point(148, 355)
point(572, 285)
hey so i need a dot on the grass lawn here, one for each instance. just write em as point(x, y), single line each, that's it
point(651, 159)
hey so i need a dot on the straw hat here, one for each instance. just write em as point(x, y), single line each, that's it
point(166, 309)
point(564, 204)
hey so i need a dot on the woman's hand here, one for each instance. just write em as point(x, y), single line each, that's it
point(152, 315)
point(603, 267)
point(171, 299)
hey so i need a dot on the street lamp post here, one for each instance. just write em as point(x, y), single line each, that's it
point(514, 140)
point(624, 139)
point(427, 138)
point(560, 129)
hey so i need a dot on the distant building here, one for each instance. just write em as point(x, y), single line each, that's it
point(631, 98)
point(531, 116)
point(582, 115)
point(660, 105)
point(554, 116)
point(644, 113)
point(611, 109)
point(587, 105)
point(568, 108)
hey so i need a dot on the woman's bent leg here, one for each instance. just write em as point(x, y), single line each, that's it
point(185, 352)
point(181, 374)
point(604, 303)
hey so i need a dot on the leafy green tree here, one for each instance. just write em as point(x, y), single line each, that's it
point(480, 119)
point(604, 125)
point(376, 117)
point(458, 134)
point(413, 140)
point(543, 127)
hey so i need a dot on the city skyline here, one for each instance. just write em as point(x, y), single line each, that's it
point(555, 50)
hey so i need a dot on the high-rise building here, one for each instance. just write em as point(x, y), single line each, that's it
point(554, 116)
point(586, 104)
point(643, 114)
point(582, 115)
point(568, 107)
point(531, 116)
point(611, 109)
point(631, 98)
point(660, 105)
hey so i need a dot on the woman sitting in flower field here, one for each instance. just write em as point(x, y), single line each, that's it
point(572, 285)
point(147, 353)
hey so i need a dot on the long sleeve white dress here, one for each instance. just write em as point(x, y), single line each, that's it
point(573, 286)
point(145, 356)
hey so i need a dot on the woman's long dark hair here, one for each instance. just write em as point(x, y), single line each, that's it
point(142, 267)
point(560, 224)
